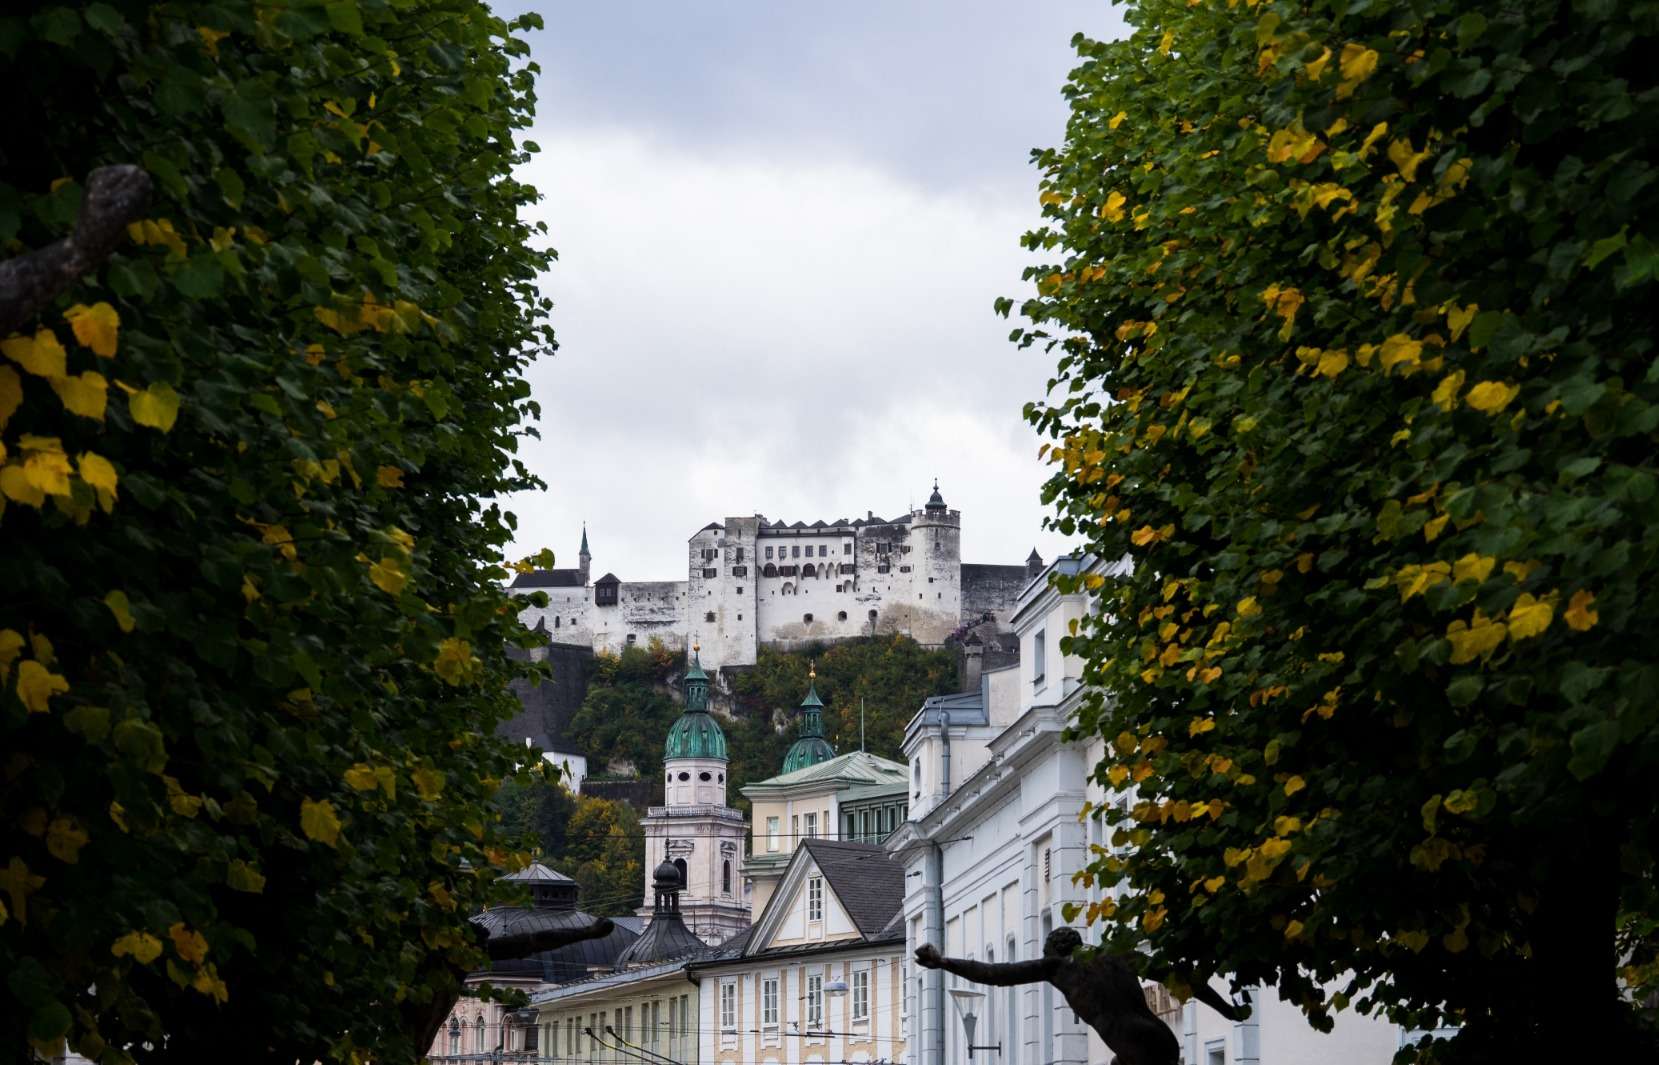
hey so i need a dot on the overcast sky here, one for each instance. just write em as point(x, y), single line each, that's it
point(780, 229)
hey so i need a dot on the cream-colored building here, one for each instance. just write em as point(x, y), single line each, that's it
point(821, 975)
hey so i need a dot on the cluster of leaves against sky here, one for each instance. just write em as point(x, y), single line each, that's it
point(1352, 306)
point(251, 646)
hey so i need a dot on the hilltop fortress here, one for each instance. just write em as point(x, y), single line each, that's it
point(752, 583)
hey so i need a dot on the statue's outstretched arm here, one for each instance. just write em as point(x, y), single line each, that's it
point(999, 974)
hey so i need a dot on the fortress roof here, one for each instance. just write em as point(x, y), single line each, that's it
point(549, 578)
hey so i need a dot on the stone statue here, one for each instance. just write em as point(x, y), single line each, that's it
point(1104, 991)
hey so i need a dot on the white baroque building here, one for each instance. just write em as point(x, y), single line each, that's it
point(752, 583)
point(990, 848)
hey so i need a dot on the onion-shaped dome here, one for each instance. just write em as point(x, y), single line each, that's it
point(695, 734)
point(811, 747)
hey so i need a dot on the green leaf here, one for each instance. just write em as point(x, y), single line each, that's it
point(1592, 746)
point(201, 276)
point(1604, 247)
point(343, 16)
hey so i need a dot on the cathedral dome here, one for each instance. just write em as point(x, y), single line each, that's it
point(696, 734)
point(811, 748)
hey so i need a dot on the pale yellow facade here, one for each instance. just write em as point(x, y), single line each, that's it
point(773, 1004)
point(655, 1010)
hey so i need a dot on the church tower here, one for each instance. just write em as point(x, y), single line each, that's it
point(694, 830)
point(810, 747)
point(584, 560)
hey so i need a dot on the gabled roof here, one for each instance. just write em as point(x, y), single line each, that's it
point(609, 578)
point(548, 578)
point(867, 882)
point(852, 768)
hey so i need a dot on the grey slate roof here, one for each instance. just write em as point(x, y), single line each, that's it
point(965, 708)
point(866, 879)
point(548, 578)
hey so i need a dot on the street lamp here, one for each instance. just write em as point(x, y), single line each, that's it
point(967, 1004)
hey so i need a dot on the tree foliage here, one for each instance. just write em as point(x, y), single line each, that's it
point(628, 710)
point(1352, 305)
point(251, 638)
point(888, 676)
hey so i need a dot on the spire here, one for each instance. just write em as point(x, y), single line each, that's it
point(935, 502)
point(584, 550)
point(810, 747)
point(696, 734)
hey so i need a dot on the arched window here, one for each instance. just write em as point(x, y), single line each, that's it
point(809, 570)
point(454, 1037)
point(872, 615)
point(478, 1037)
point(769, 570)
point(679, 863)
point(787, 589)
point(726, 876)
point(841, 616)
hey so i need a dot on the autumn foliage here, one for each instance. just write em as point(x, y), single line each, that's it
point(252, 627)
point(1352, 311)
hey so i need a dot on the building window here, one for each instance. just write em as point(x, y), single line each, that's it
point(454, 1038)
point(861, 995)
point(737, 555)
point(709, 553)
point(815, 898)
point(769, 571)
point(772, 833)
point(728, 1006)
point(906, 569)
point(1039, 655)
point(872, 615)
point(811, 819)
point(787, 589)
point(809, 570)
point(478, 1036)
point(847, 547)
point(631, 638)
point(604, 594)
point(769, 1001)
point(532, 1040)
point(768, 552)
point(740, 571)
point(795, 552)
point(883, 547)
point(883, 567)
point(806, 619)
point(726, 876)
point(709, 617)
point(711, 573)
point(815, 1004)
point(823, 550)
point(794, 829)
point(840, 615)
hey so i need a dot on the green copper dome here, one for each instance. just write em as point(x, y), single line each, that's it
point(696, 734)
point(811, 748)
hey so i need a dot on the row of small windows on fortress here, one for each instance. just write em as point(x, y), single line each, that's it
point(794, 550)
point(840, 615)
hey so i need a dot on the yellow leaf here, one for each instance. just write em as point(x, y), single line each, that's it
point(1331, 363)
point(143, 947)
point(11, 645)
point(1459, 318)
point(1456, 941)
point(279, 537)
point(1213, 884)
point(118, 814)
point(1316, 69)
point(455, 662)
point(1489, 397)
point(207, 981)
point(1473, 639)
point(243, 877)
point(36, 685)
point(156, 406)
point(389, 477)
point(1113, 210)
point(319, 822)
point(40, 354)
point(11, 396)
point(250, 590)
point(1473, 567)
point(1432, 528)
point(1248, 607)
point(95, 327)
point(191, 946)
point(361, 777)
point(1445, 393)
point(1293, 929)
point(64, 840)
point(211, 38)
point(1167, 42)
point(99, 475)
point(1116, 120)
point(1398, 349)
point(1117, 774)
point(389, 575)
point(1578, 614)
point(1529, 616)
point(1286, 825)
point(1407, 161)
point(121, 608)
point(1200, 725)
point(428, 782)
point(1051, 198)
point(1357, 63)
point(1292, 786)
point(182, 802)
point(84, 395)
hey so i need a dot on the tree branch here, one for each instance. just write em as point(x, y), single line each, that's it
point(115, 196)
